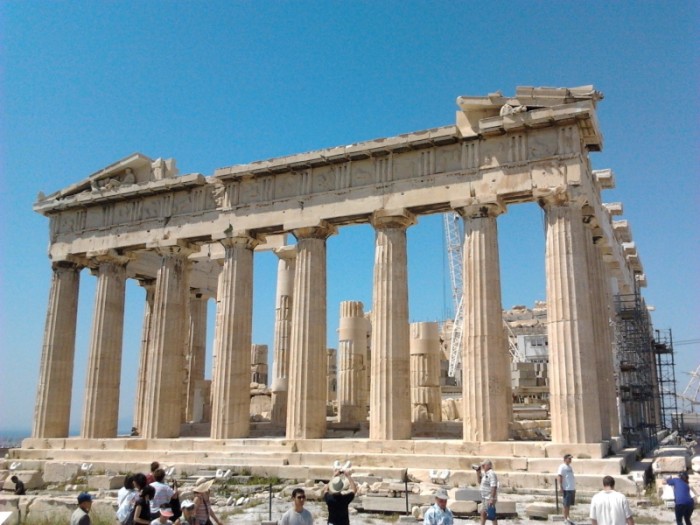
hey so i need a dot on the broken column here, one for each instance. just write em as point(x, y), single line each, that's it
point(258, 364)
point(352, 363)
point(426, 403)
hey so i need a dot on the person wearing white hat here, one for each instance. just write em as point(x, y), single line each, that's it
point(187, 517)
point(338, 498)
point(439, 514)
point(202, 508)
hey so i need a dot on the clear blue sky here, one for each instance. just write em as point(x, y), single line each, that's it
point(212, 84)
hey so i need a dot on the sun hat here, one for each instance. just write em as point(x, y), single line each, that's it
point(337, 484)
point(441, 494)
point(203, 487)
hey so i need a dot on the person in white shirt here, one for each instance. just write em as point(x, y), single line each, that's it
point(439, 514)
point(567, 482)
point(609, 507)
point(488, 485)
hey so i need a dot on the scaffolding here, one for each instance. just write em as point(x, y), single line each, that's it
point(638, 388)
point(666, 375)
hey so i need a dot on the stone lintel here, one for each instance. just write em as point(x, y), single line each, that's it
point(614, 208)
point(172, 246)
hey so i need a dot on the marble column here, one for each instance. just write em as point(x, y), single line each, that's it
point(332, 382)
point(283, 328)
point(196, 351)
point(53, 399)
point(149, 285)
point(426, 400)
point(167, 343)
point(231, 383)
point(306, 409)
point(390, 400)
point(604, 372)
point(258, 364)
point(104, 366)
point(573, 403)
point(487, 398)
point(352, 363)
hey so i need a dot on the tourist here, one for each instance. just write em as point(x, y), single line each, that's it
point(438, 513)
point(164, 493)
point(609, 507)
point(164, 515)
point(150, 477)
point(567, 482)
point(488, 485)
point(297, 515)
point(126, 497)
point(19, 486)
point(81, 515)
point(142, 507)
point(187, 517)
point(202, 507)
point(684, 502)
point(338, 501)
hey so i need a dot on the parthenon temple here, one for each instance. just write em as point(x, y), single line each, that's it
point(187, 238)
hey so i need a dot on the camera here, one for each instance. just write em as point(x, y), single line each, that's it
point(476, 467)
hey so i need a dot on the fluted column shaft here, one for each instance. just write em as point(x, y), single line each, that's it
point(283, 329)
point(53, 399)
point(231, 384)
point(487, 401)
point(352, 363)
point(306, 409)
point(390, 400)
point(101, 411)
point(574, 404)
point(167, 344)
point(604, 374)
point(197, 350)
point(426, 401)
point(149, 286)
point(606, 314)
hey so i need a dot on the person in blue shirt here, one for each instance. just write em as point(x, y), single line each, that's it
point(685, 504)
point(439, 514)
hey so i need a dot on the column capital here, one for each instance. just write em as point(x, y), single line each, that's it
point(95, 258)
point(241, 239)
point(558, 196)
point(479, 207)
point(322, 230)
point(68, 264)
point(286, 253)
point(400, 218)
point(167, 247)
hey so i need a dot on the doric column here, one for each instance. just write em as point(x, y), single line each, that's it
point(283, 329)
point(606, 315)
point(101, 410)
point(332, 382)
point(53, 399)
point(352, 363)
point(306, 408)
point(604, 374)
point(149, 285)
point(426, 401)
point(167, 343)
point(231, 383)
point(196, 351)
point(487, 401)
point(390, 400)
point(258, 364)
point(573, 403)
